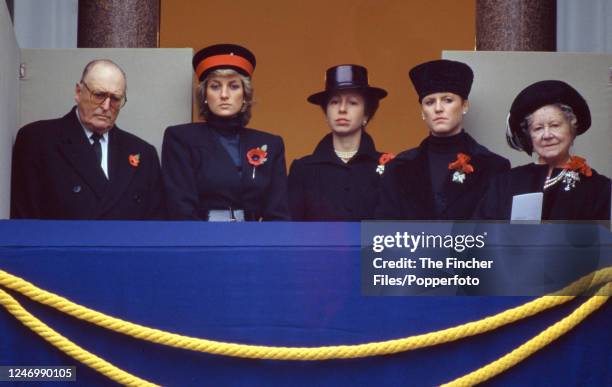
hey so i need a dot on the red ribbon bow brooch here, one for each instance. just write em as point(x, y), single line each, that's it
point(462, 168)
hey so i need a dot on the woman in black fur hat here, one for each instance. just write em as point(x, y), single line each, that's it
point(446, 175)
point(545, 118)
point(339, 181)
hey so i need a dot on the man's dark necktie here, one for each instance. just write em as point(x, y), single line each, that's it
point(97, 147)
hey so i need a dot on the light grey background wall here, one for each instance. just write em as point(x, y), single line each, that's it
point(9, 103)
point(159, 86)
point(584, 26)
point(46, 23)
point(500, 76)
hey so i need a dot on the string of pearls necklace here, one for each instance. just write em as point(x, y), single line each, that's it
point(345, 156)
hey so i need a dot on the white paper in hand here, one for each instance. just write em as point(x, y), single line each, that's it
point(527, 206)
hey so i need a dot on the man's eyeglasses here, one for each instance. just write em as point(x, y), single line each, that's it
point(98, 97)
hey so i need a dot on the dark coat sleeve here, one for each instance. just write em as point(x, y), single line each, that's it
point(297, 200)
point(276, 205)
point(178, 176)
point(25, 193)
point(390, 203)
point(602, 198)
point(502, 165)
point(496, 203)
point(156, 205)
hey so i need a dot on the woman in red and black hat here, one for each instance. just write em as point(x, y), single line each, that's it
point(219, 170)
point(545, 118)
point(446, 175)
point(339, 181)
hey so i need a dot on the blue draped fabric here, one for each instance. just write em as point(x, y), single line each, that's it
point(284, 284)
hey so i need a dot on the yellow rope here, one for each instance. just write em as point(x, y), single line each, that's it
point(296, 353)
point(67, 346)
point(544, 338)
point(344, 351)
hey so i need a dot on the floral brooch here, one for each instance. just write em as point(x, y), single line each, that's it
point(384, 159)
point(257, 156)
point(134, 160)
point(570, 174)
point(462, 168)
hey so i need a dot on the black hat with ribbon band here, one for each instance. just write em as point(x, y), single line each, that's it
point(223, 56)
point(442, 76)
point(538, 95)
point(346, 77)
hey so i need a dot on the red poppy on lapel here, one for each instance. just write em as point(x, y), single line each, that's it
point(577, 163)
point(134, 160)
point(257, 156)
point(384, 159)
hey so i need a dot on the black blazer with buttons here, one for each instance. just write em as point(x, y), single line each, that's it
point(407, 194)
point(55, 175)
point(199, 174)
point(323, 188)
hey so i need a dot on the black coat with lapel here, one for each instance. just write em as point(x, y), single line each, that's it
point(199, 175)
point(589, 199)
point(323, 188)
point(406, 190)
point(55, 175)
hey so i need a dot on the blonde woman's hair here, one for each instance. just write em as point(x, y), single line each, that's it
point(245, 112)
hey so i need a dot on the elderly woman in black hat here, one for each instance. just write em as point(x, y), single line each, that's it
point(339, 181)
point(545, 118)
point(219, 170)
point(445, 176)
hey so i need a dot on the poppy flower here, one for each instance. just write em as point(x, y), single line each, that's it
point(384, 159)
point(134, 160)
point(577, 163)
point(257, 156)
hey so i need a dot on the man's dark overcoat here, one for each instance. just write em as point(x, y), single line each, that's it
point(55, 175)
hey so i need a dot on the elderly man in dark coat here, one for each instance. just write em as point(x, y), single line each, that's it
point(82, 166)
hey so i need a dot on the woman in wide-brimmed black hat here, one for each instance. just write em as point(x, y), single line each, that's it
point(219, 170)
point(445, 176)
point(545, 119)
point(339, 181)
